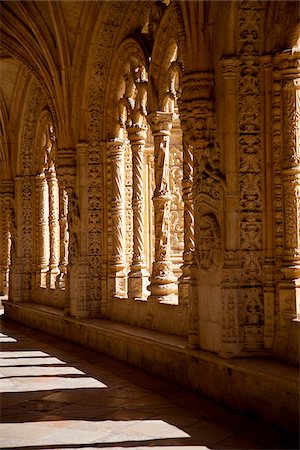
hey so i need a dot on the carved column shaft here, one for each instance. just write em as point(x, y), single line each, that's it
point(289, 295)
point(138, 276)
point(251, 29)
point(69, 224)
point(185, 281)
point(6, 215)
point(163, 282)
point(64, 236)
point(118, 276)
point(269, 283)
point(54, 231)
point(22, 240)
point(231, 337)
point(43, 230)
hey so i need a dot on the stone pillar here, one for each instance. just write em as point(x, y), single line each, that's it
point(163, 284)
point(289, 285)
point(22, 240)
point(232, 335)
point(269, 219)
point(6, 214)
point(138, 278)
point(42, 209)
point(64, 236)
point(118, 275)
point(251, 168)
point(205, 301)
point(186, 281)
point(53, 227)
point(76, 302)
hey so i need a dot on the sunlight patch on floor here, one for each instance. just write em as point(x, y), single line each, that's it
point(75, 432)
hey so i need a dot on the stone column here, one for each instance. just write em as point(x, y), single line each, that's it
point(6, 214)
point(75, 295)
point(42, 208)
point(53, 226)
point(21, 276)
point(138, 278)
point(163, 283)
point(269, 216)
point(118, 275)
point(289, 286)
point(232, 337)
point(185, 281)
point(64, 236)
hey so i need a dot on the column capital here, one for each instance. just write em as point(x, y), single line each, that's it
point(115, 145)
point(7, 187)
point(267, 61)
point(82, 148)
point(230, 66)
point(137, 133)
point(289, 64)
point(197, 86)
point(160, 122)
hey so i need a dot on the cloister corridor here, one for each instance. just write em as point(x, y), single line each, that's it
point(55, 395)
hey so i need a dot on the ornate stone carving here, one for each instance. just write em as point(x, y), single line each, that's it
point(138, 275)
point(95, 227)
point(208, 244)
point(251, 185)
point(118, 282)
point(162, 281)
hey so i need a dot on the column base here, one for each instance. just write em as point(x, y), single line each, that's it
point(138, 280)
point(163, 284)
point(117, 284)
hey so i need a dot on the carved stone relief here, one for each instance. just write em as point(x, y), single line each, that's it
point(251, 184)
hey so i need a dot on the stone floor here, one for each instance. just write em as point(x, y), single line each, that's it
point(55, 395)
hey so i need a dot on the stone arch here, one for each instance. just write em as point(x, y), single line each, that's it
point(129, 56)
point(166, 61)
point(46, 205)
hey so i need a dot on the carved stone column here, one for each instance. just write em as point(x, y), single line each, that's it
point(118, 275)
point(269, 171)
point(289, 285)
point(205, 301)
point(232, 336)
point(6, 214)
point(53, 226)
point(138, 278)
point(76, 303)
point(185, 281)
point(42, 208)
point(22, 240)
point(64, 236)
point(251, 155)
point(163, 284)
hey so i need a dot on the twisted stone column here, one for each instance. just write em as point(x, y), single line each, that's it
point(118, 276)
point(163, 283)
point(185, 281)
point(138, 275)
point(43, 230)
point(53, 227)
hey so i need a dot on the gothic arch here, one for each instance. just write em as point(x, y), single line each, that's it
point(166, 60)
point(128, 57)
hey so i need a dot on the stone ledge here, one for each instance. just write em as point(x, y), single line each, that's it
point(265, 387)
